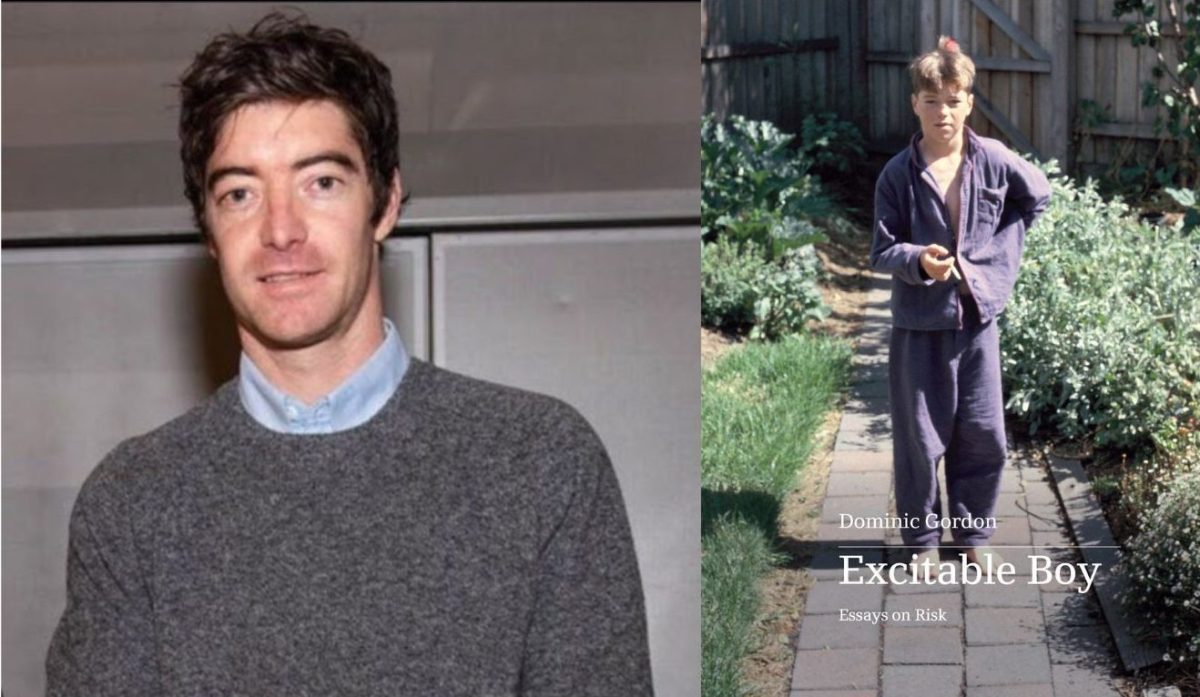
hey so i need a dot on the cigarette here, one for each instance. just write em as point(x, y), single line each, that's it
point(954, 272)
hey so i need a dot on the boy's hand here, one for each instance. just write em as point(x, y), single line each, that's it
point(937, 269)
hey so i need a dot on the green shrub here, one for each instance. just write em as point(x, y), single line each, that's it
point(740, 289)
point(1163, 563)
point(831, 144)
point(788, 296)
point(747, 166)
point(728, 281)
point(1102, 336)
point(760, 211)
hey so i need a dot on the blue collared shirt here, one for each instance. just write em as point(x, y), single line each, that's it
point(355, 401)
point(1002, 195)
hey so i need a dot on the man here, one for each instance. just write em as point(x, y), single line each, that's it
point(951, 212)
point(340, 518)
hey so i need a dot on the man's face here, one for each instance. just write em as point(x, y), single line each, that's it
point(944, 113)
point(288, 210)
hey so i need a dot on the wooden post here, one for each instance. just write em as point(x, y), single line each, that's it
point(860, 86)
point(1062, 84)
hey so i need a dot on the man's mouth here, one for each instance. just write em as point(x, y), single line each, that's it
point(286, 276)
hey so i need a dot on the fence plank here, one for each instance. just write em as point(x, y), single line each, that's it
point(983, 50)
point(927, 27)
point(1062, 87)
point(1012, 28)
point(1007, 127)
point(1085, 75)
point(820, 61)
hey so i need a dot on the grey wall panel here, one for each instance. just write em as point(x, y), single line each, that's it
point(493, 97)
point(605, 320)
point(101, 344)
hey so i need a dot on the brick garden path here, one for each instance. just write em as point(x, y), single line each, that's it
point(996, 641)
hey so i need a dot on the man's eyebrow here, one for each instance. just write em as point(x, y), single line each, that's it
point(334, 156)
point(218, 174)
point(338, 158)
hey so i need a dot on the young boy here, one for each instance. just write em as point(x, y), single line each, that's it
point(951, 213)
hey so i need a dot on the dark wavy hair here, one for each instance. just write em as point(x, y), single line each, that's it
point(287, 59)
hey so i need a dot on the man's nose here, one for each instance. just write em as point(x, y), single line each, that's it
point(282, 227)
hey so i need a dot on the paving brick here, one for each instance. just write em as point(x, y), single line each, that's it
point(862, 439)
point(836, 668)
point(1012, 664)
point(922, 645)
point(861, 461)
point(829, 596)
point(1082, 645)
point(867, 390)
point(834, 693)
point(830, 632)
point(931, 602)
point(1010, 625)
point(835, 507)
point(1039, 491)
point(1051, 538)
point(908, 588)
point(872, 408)
point(1045, 517)
point(827, 562)
point(1012, 531)
point(922, 681)
point(1010, 480)
point(1039, 690)
point(833, 532)
point(871, 373)
point(859, 484)
point(1083, 681)
point(1010, 504)
point(1070, 610)
point(1021, 593)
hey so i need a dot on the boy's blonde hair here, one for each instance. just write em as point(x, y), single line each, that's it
point(947, 65)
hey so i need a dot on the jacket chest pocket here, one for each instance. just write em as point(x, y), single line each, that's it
point(988, 207)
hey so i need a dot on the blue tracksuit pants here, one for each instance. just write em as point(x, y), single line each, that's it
point(947, 402)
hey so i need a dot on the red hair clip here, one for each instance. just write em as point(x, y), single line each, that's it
point(951, 45)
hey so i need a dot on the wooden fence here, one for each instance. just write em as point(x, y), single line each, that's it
point(1037, 61)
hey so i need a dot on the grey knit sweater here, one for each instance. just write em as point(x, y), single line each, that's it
point(469, 539)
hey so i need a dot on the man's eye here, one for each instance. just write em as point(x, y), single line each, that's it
point(326, 183)
point(235, 196)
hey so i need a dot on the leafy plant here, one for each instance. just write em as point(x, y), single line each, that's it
point(748, 170)
point(728, 284)
point(830, 143)
point(1101, 338)
point(787, 295)
point(1190, 202)
point(1174, 86)
point(1164, 566)
point(741, 289)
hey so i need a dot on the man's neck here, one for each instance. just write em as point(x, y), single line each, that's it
point(312, 372)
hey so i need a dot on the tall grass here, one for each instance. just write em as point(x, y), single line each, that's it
point(761, 407)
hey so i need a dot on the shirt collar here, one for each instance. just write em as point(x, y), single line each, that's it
point(914, 152)
point(351, 404)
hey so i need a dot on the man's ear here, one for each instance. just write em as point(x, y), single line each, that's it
point(387, 222)
point(913, 100)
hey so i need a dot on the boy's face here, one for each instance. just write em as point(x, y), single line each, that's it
point(943, 114)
